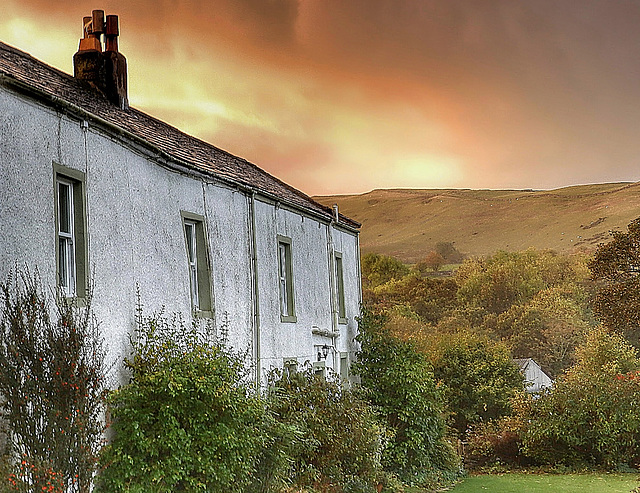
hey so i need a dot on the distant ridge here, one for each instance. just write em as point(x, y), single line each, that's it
point(407, 223)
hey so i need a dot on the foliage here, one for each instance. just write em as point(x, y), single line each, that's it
point(339, 441)
point(535, 301)
point(430, 299)
point(433, 261)
point(548, 328)
point(494, 443)
point(591, 416)
point(498, 282)
point(399, 382)
point(616, 268)
point(449, 252)
point(187, 421)
point(52, 383)
point(477, 376)
point(378, 269)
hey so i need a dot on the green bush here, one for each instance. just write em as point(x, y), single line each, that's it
point(339, 440)
point(52, 385)
point(591, 416)
point(478, 378)
point(399, 382)
point(187, 421)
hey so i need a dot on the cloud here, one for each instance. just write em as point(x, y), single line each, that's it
point(359, 94)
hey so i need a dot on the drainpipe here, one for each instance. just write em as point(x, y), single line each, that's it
point(256, 293)
point(332, 294)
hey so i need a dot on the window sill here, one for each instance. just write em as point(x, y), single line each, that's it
point(202, 314)
point(288, 318)
point(343, 320)
point(74, 301)
point(324, 332)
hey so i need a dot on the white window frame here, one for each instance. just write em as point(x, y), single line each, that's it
point(285, 280)
point(71, 239)
point(341, 307)
point(192, 257)
point(197, 253)
point(66, 239)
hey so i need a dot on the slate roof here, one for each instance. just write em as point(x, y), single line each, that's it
point(19, 69)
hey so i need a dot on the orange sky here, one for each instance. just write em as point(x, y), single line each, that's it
point(343, 96)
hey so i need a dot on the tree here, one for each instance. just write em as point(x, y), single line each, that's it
point(591, 415)
point(505, 279)
point(432, 261)
point(616, 269)
point(399, 382)
point(378, 269)
point(431, 299)
point(449, 252)
point(548, 328)
point(477, 375)
point(52, 385)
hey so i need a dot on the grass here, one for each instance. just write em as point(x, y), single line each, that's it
point(545, 483)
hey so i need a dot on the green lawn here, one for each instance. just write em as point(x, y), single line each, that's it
point(546, 483)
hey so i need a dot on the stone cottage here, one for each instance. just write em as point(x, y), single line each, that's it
point(94, 191)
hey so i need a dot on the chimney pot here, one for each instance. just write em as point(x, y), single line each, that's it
point(112, 28)
point(86, 26)
point(111, 33)
point(98, 21)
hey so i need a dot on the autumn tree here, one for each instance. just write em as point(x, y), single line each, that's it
point(430, 299)
point(378, 269)
point(590, 416)
point(548, 328)
point(449, 252)
point(477, 375)
point(433, 261)
point(616, 268)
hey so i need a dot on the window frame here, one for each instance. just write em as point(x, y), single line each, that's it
point(341, 307)
point(198, 264)
point(71, 246)
point(286, 292)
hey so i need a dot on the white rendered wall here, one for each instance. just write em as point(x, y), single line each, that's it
point(135, 238)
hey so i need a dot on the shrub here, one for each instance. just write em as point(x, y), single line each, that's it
point(187, 421)
point(399, 382)
point(493, 443)
point(477, 375)
point(591, 416)
point(339, 440)
point(52, 383)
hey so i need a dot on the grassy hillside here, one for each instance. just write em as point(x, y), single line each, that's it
point(408, 223)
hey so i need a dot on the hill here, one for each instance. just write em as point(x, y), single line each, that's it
point(407, 223)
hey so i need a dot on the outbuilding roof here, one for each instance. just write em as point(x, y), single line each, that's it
point(29, 75)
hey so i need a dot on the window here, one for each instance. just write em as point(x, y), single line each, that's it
point(320, 369)
point(344, 366)
point(285, 279)
point(342, 317)
point(198, 263)
point(71, 249)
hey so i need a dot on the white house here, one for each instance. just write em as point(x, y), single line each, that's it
point(93, 190)
point(535, 379)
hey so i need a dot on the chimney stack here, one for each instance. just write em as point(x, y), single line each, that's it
point(105, 70)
